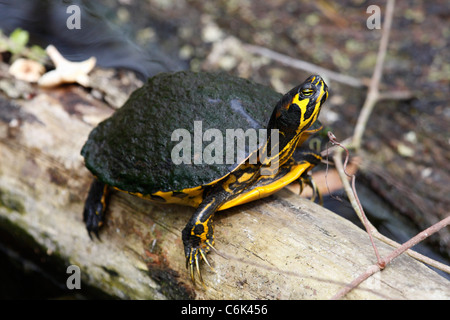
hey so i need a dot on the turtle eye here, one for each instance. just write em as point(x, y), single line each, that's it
point(307, 92)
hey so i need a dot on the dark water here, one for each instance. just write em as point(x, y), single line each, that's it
point(46, 21)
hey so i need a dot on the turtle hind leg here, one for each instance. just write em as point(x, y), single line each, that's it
point(95, 207)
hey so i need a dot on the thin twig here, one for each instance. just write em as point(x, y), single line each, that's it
point(418, 238)
point(337, 158)
point(394, 254)
point(303, 65)
point(372, 231)
point(356, 282)
point(352, 190)
point(373, 93)
point(413, 254)
point(373, 96)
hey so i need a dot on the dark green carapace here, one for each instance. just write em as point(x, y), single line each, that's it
point(132, 151)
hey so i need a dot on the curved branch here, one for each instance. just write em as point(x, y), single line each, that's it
point(373, 95)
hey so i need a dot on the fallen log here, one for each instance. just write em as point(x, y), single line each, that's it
point(281, 247)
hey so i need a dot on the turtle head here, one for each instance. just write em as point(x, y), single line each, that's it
point(300, 107)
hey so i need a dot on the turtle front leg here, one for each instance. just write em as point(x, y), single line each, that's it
point(310, 158)
point(198, 236)
point(95, 207)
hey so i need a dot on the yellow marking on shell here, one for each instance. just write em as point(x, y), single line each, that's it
point(194, 195)
point(193, 199)
point(265, 191)
point(226, 185)
point(246, 176)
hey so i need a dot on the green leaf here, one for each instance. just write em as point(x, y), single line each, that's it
point(19, 38)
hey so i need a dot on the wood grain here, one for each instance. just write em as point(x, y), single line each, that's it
point(281, 247)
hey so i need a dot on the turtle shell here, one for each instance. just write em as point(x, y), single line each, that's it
point(132, 150)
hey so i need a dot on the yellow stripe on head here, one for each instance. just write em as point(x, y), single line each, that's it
point(302, 104)
point(318, 101)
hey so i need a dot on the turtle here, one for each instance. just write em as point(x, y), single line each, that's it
point(145, 148)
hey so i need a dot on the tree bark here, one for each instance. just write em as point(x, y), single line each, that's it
point(281, 247)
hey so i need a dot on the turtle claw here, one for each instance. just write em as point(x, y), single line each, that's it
point(206, 260)
point(95, 231)
point(193, 262)
point(311, 183)
point(94, 222)
point(197, 267)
